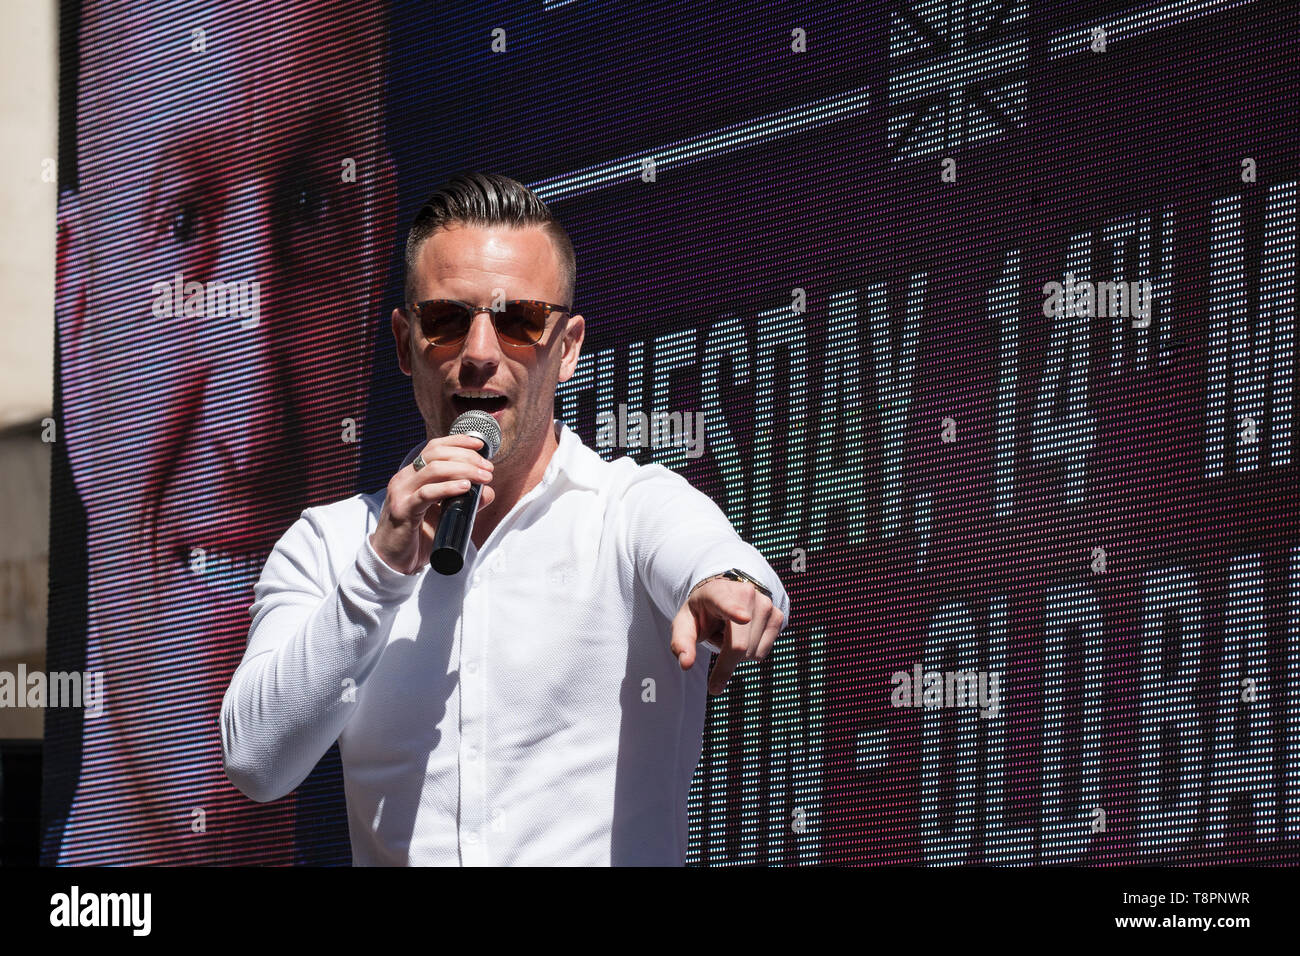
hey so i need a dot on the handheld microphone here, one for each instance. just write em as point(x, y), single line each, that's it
point(457, 521)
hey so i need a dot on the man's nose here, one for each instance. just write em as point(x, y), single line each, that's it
point(247, 408)
point(481, 346)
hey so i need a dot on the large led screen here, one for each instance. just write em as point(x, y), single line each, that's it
point(981, 315)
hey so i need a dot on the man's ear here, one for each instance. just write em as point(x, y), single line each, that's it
point(71, 275)
point(574, 333)
point(402, 335)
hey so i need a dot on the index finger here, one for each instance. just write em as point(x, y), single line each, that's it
point(737, 606)
point(472, 442)
point(732, 654)
point(466, 448)
point(738, 637)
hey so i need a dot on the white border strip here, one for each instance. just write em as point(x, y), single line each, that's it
point(1079, 39)
point(729, 138)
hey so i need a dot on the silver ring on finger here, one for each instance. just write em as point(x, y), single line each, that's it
point(419, 462)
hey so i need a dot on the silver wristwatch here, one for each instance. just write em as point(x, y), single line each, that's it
point(735, 574)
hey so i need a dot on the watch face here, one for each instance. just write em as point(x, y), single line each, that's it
point(738, 575)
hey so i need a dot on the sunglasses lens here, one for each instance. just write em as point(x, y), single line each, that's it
point(522, 323)
point(443, 322)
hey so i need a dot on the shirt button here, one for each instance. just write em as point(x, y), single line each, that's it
point(477, 579)
point(471, 668)
point(471, 754)
point(471, 837)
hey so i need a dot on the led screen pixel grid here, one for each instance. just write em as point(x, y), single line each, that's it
point(840, 257)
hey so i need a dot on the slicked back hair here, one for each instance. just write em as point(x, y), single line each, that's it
point(488, 199)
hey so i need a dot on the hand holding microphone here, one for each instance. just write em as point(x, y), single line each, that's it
point(455, 475)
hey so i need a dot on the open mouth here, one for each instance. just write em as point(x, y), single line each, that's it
point(489, 402)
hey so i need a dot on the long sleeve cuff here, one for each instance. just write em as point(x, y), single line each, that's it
point(384, 581)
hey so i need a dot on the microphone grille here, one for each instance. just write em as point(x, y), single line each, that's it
point(482, 425)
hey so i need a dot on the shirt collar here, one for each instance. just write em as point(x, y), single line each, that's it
point(579, 464)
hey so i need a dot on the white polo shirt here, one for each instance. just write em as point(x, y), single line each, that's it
point(528, 710)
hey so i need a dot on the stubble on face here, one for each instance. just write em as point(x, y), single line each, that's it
point(477, 264)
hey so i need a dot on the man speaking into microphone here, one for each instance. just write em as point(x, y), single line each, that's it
point(544, 704)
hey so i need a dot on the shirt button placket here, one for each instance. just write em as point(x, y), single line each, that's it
point(473, 765)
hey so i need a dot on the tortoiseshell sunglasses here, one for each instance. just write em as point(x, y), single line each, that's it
point(520, 322)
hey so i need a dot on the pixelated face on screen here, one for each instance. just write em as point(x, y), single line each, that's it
point(221, 264)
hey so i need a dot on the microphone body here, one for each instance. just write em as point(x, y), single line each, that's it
point(457, 521)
